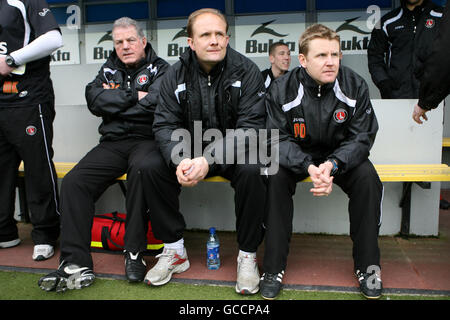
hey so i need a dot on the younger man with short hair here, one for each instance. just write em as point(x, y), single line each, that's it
point(327, 127)
point(280, 60)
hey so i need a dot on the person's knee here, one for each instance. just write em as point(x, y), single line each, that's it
point(72, 180)
point(250, 170)
point(371, 177)
point(149, 166)
point(367, 178)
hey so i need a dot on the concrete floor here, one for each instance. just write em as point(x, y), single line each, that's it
point(316, 262)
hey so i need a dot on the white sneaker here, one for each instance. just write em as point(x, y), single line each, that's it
point(247, 274)
point(169, 262)
point(42, 252)
point(9, 244)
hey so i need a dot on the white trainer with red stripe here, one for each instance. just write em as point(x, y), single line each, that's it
point(247, 274)
point(169, 262)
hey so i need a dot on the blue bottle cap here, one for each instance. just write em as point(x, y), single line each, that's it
point(212, 230)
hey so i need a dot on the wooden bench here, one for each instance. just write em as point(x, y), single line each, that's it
point(446, 142)
point(421, 174)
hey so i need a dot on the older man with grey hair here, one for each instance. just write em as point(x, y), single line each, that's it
point(124, 94)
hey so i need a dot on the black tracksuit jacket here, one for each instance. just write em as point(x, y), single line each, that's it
point(334, 120)
point(435, 84)
point(124, 115)
point(399, 47)
point(231, 96)
point(21, 22)
point(268, 77)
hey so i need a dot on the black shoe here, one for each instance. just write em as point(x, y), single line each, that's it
point(270, 285)
point(135, 267)
point(68, 276)
point(370, 284)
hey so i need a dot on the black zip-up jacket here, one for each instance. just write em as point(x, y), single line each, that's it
point(435, 84)
point(399, 47)
point(123, 114)
point(231, 96)
point(268, 77)
point(331, 121)
point(21, 22)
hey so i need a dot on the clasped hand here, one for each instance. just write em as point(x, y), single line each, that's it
point(321, 179)
point(191, 171)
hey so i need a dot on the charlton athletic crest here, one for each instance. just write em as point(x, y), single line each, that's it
point(340, 115)
point(31, 130)
point(429, 23)
point(142, 79)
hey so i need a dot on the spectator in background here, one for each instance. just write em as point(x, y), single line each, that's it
point(435, 83)
point(399, 46)
point(124, 94)
point(280, 60)
point(29, 33)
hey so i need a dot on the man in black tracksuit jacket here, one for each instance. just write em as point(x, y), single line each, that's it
point(435, 84)
point(219, 88)
point(327, 127)
point(399, 47)
point(124, 94)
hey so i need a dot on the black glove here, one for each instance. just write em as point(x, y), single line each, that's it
point(386, 87)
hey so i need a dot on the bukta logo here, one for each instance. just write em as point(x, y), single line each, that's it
point(263, 29)
point(176, 49)
point(181, 34)
point(253, 46)
point(348, 26)
point(100, 52)
point(106, 37)
point(356, 43)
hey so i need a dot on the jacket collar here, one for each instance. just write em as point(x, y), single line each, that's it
point(230, 66)
point(417, 10)
point(189, 59)
point(309, 82)
point(215, 71)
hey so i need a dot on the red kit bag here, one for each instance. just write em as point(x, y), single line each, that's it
point(108, 231)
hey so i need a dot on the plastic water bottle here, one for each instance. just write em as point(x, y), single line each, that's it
point(212, 247)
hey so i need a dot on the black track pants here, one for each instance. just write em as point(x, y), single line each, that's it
point(87, 181)
point(250, 188)
point(365, 191)
point(26, 133)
